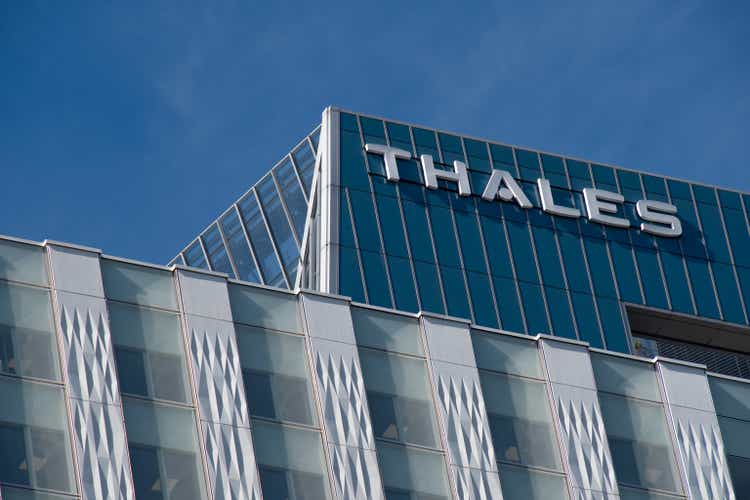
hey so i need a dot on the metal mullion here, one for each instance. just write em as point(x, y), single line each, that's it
point(226, 248)
point(708, 261)
point(205, 252)
point(309, 218)
point(295, 168)
point(262, 212)
point(658, 254)
point(236, 209)
point(731, 252)
point(356, 245)
point(282, 199)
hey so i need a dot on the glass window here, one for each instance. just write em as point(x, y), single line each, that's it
point(627, 279)
point(726, 286)
point(575, 266)
point(27, 341)
point(428, 287)
point(399, 397)
point(164, 452)
point(304, 157)
point(519, 482)
point(497, 247)
point(523, 255)
point(739, 235)
point(588, 327)
point(376, 279)
point(34, 443)
point(639, 442)
point(635, 494)
point(445, 238)
point(559, 312)
point(481, 300)
point(411, 474)
point(520, 420)
point(364, 221)
point(731, 397)
point(290, 462)
point(22, 262)
point(399, 135)
point(274, 369)
point(194, 256)
point(265, 308)
point(674, 272)
point(350, 278)
point(419, 234)
point(601, 274)
point(353, 172)
point(404, 294)
point(387, 331)
point(653, 286)
point(9, 493)
point(627, 377)
point(610, 314)
point(390, 222)
point(739, 470)
point(470, 241)
point(700, 278)
point(217, 252)
point(455, 292)
point(549, 259)
point(509, 309)
point(291, 192)
point(504, 353)
point(261, 241)
point(279, 225)
point(713, 232)
point(238, 247)
point(138, 284)
point(149, 352)
point(533, 304)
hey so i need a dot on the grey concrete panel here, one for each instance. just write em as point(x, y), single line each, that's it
point(355, 473)
point(476, 484)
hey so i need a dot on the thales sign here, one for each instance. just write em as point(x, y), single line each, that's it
point(658, 218)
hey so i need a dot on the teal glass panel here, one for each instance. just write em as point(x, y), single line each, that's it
point(736, 435)
point(502, 158)
point(348, 122)
point(444, 236)
point(627, 279)
point(739, 235)
point(9, 493)
point(428, 287)
point(418, 230)
point(471, 242)
point(528, 165)
point(626, 377)
point(391, 226)
point(410, 473)
point(404, 294)
point(138, 284)
point(713, 232)
point(533, 305)
point(376, 279)
point(731, 397)
point(743, 275)
point(692, 238)
point(612, 324)
point(674, 272)
point(523, 255)
point(630, 184)
point(507, 303)
point(726, 286)
point(679, 190)
point(346, 228)
point(238, 247)
point(653, 286)
point(28, 344)
point(604, 177)
point(640, 494)
point(455, 292)
point(481, 300)
point(372, 130)
point(703, 291)
point(265, 308)
point(399, 136)
point(655, 188)
point(559, 311)
point(352, 162)
point(217, 252)
point(530, 484)
point(364, 220)
point(476, 153)
point(601, 275)
point(588, 328)
point(425, 142)
point(497, 247)
point(291, 192)
point(261, 241)
point(549, 259)
point(387, 331)
point(506, 354)
point(575, 266)
point(350, 279)
point(554, 170)
point(450, 146)
point(22, 262)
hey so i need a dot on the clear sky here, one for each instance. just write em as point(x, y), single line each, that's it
point(130, 127)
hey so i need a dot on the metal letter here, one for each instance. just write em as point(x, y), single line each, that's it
point(598, 206)
point(389, 155)
point(663, 214)
point(511, 191)
point(548, 203)
point(459, 175)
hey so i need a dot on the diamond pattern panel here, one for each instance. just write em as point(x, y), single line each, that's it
point(88, 348)
point(217, 372)
point(582, 494)
point(231, 462)
point(102, 450)
point(702, 451)
point(355, 473)
point(585, 439)
point(342, 391)
point(476, 484)
point(462, 406)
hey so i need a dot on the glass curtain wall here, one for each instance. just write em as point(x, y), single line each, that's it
point(732, 403)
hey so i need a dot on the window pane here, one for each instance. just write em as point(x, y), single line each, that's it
point(274, 367)
point(22, 262)
point(27, 343)
point(217, 252)
point(290, 462)
point(265, 308)
point(428, 286)
point(626, 377)
point(739, 469)
point(304, 157)
point(411, 473)
point(376, 279)
point(261, 241)
point(194, 256)
point(138, 284)
point(9, 493)
point(399, 396)
point(503, 353)
point(732, 398)
point(279, 225)
point(633, 494)
point(518, 482)
point(238, 247)
point(640, 443)
point(508, 306)
point(386, 331)
point(13, 461)
point(520, 420)
point(291, 191)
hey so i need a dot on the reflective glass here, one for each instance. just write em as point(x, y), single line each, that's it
point(549, 260)
point(444, 237)
point(138, 284)
point(523, 255)
point(27, 341)
point(674, 272)
point(653, 286)
point(627, 279)
point(731, 397)
point(726, 286)
point(503, 353)
point(290, 463)
point(274, 369)
point(497, 247)
point(35, 447)
point(739, 470)
point(217, 252)
point(304, 158)
point(279, 224)
point(739, 235)
point(588, 328)
point(390, 332)
point(559, 311)
point(350, 279)
point(639, 442)
point(520, 420)
point(149, 352)
point(390, 223)
point(700, 278)
point(601, 274)
point(264, 308)
point(164, 451)
point(261, 241)
point(194, 256)
point(575, 266)
point(364, 220)
point(636, 494)
point(419, 234)
point(476, 153)
point(481, 300)
point(291, 192)
point(399, 135)
point(428, 287)
point(713, 232)
point(533, 305)
point(409, 473)
point(376, 279)
point(612, 325)
point(626, 377)
point(399, 397)
point(403, 291)
point(455, 292)
point(506, 296)
point(353, 173)
point(238, 247)
point(470, 241)
point(519, 482)
point(9, 493)
point(22, 262)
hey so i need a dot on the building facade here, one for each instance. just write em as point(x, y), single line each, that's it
point(393, 312)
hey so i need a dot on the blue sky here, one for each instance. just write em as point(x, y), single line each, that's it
point(129, 127)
